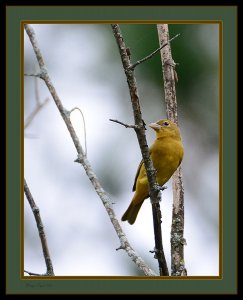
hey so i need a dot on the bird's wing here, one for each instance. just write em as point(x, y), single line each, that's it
point(138, 171)
point(136, 177)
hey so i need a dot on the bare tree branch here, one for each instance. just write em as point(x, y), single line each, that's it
point(82, 159)
point(37, 91)
point(32, 115)
point(34, 274)
point(133, 66)
point(177, 228)
point(37, 75)
point(126, 125)
point(140, 131)
point(36, 212)
point(38, 107)
point(85, 138)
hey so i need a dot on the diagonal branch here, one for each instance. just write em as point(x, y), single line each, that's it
point(36, 212)
point(82, 159)
point(126, 125)
point(132, 67)
point(34, 274)
point(32, 115)
point(177, 227)
point(140, 131)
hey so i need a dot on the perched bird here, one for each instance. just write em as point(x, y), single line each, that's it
point(166, 153)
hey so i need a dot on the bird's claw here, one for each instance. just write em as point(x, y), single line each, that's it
point(159, 187)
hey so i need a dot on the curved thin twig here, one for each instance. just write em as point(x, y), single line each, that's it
point(85, 138)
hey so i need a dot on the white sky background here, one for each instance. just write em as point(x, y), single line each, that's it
point(85, 68)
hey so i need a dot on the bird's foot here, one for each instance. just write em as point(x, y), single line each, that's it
point(156, 252)
point(159, 187)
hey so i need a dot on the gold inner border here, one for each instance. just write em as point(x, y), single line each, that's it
point(220, 101)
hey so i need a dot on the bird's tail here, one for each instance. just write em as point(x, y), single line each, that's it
point(131, 213)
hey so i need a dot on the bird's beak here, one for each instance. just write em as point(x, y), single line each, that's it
point(155, 126)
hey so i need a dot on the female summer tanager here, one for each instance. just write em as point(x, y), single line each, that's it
point(166, 153)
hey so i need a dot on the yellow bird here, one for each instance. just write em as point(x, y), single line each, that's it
point(166, 153)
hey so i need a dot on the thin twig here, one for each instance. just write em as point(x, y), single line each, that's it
point(126, 125)
point(34, 274)
point(85, 138)
point(133, 66)
point(37, 91)
point(39, 105)
point(36, 212)
point(177, 227)
point(140, 131)
point(38, 75)
point(32, 115)
point(82, 159)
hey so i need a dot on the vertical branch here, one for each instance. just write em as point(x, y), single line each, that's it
point(177, 227)
point(140, 131)
point(36, 212)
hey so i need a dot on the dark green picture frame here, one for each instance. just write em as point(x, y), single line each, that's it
point(225, 284)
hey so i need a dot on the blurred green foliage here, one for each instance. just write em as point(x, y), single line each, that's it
point(196, 53)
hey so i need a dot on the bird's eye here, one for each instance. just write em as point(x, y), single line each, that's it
point(166, 123)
